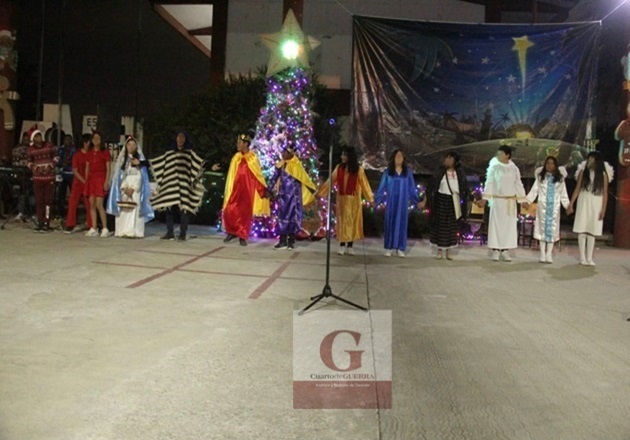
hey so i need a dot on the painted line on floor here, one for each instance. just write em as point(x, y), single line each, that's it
point(272, 279)
point(140, 266)
point(144, 281)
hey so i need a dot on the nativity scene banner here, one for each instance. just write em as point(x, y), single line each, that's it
point(428, 88)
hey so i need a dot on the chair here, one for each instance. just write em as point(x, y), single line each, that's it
point(526, 225)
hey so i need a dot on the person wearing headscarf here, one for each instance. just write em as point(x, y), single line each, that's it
point(130, 193)
point(245, 192)
point(295, 190)
point(352, 185)
point(178, 174)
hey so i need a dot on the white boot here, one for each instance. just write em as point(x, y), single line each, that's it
point(590, 247)
point(549, 255)
point(542, 245)
point(582, 247)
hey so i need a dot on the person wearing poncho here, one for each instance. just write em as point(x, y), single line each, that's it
point(245, 192)
point(295, 190)
point(130, 192)
point(178, 175)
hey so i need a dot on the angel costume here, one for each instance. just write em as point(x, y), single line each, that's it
point(503, 189)
point(129, 195)
point(550, 194)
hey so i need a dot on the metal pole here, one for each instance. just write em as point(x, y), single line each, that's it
point(60, 82)
point(40, 75)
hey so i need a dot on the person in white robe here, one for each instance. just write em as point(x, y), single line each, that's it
point(503, 191)
point(550, 190)
point(591, 192)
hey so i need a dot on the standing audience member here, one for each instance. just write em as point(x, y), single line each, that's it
point(98, 176)
point(77, 191)
point(42, 158)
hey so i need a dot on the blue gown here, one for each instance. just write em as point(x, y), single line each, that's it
point(290, 212)
point(397, 191)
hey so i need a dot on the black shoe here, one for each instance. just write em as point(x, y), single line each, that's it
point(168, 236)
point(181, 237)
point(280, 245)
point(39, 229)
point(242, 242)
point(229, 238)
point(290, 247)
point(46, 229)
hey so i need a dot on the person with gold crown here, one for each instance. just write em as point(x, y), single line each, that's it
point(295, 190)
point(245, 192)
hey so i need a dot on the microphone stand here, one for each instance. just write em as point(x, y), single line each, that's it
point(327, 291)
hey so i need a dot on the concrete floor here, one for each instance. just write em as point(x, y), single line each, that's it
point(119, 339)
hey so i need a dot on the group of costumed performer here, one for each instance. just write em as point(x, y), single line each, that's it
point(178, 174)
point(130, 192)
point(550, 190)
point(294, 191)
point(397, 189)
point(352, 186)
point(245, 192)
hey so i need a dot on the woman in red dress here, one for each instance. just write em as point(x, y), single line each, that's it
point(97, 170)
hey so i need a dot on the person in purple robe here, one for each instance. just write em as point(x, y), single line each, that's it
point(295, 190)
point(397, 189)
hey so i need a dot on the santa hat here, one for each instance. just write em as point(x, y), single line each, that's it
point(32, 133)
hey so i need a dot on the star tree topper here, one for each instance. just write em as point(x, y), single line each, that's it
point(290, 47)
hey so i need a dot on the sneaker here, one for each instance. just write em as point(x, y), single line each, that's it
point(229, 238)
point(400, 254)
point(496, 255)
point(105, 233)
point(280, 246)
point(290, 247)
point(19, 217)
point(242, 242)
point(342, 250)
point(388, 253)
point(91, 233)
point(350, 251)
point(46, 229)
point(168, 236)
point(77, 228)
point(68, 230)
point(505, 256)
point(181, 237)
point(38, 228)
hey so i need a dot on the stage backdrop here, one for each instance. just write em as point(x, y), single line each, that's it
point(428, 88)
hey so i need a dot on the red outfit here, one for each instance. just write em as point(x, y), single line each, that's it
point(238, 213)
point(97, 161)
point(79, 166)
point(42, 161)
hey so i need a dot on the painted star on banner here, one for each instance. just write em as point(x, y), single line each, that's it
point(511, 78)
point(542, 70)
point(485, 60)
point(436, 89)
point(455, 60)
point(290, 30)
point(568, 76)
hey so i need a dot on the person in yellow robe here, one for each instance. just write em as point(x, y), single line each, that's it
point(352, 185)
point(245, 192)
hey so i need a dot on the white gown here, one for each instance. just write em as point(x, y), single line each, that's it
point(128, 222)
point(589, 205)
point(503, 188)
point(547, 223)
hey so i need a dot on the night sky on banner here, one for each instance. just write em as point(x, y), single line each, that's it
point(429, 88)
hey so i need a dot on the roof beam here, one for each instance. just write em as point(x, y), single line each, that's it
point(162, 12)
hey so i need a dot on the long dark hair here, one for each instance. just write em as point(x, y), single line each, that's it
point(597, 186)
point(353, 161)
point(95, 133)
point(557, 175)
point(391, 167)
